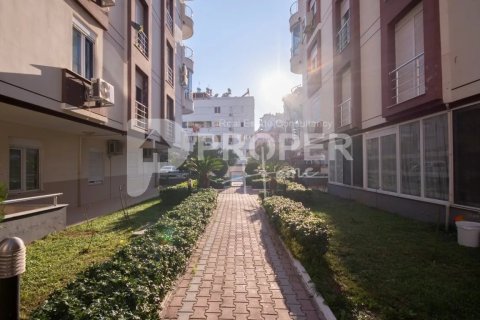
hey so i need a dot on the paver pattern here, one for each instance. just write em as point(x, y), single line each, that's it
point(240, 270)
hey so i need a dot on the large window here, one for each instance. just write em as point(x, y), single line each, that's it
point(24, 169)
point(141, 96)
point(435, 135)
point(466, 147)
point(296, 37)
point(82, 51)
point(373, 168)
point(357, 155)
point(388, 146)
point(96, 167)
point(409, 75)
point(410, 158)
point(313, 61)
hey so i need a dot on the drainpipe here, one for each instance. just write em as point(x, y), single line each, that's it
point(450, 167)
point(79, 172)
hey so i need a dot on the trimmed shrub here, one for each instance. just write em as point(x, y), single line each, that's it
point(298, 192)
point(136, 279)
point(175, 194)
point(305, 233)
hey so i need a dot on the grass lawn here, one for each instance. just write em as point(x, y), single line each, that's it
point(55, 260)
point(382, 266)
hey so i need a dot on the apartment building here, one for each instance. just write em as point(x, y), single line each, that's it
point(405, 86)
point(78, 79)
point(221, 120)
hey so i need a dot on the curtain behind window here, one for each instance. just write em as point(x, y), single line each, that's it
point(410, 158)
point(435, 133)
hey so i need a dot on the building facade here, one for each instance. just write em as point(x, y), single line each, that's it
point(221, 121)
point(402, 81)
point(77, 79)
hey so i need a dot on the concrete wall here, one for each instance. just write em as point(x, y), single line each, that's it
point(35, 226)
point(418, 210)
point(459, 26)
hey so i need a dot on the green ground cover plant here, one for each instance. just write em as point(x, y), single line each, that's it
point(132, 283)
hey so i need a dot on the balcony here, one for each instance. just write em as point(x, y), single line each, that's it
point(343, 36)
point(187, 26)
point(188, 57)
point(187, 102)
point(141, 42)
point(169, 22)
point(141, 116)
point(295, 14)
point(408, 80)
point(346, 113)
point(297, 59)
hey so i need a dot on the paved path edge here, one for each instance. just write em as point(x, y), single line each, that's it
point(306, 280)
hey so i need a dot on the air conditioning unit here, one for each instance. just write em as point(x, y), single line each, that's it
point(106, 3)
point(114, 147)
point(103, 92)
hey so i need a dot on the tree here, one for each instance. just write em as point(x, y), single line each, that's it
point(203, 168)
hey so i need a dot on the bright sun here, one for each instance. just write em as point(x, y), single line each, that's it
point(275, 86)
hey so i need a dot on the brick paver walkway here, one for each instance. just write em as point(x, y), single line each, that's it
point(239, 270)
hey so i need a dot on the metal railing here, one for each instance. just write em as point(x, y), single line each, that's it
point(141, 42)
point(169, 22)
point(187, 52)
point(294, 8)
point(346, 113)
point(46, 196)
point(141, 116)
point(170, 76)
point(408, 79)
point(343, 36)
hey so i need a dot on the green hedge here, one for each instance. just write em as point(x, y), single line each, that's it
point(175, 194)
point(297, 192)
point(305, 233)
point(136, 279)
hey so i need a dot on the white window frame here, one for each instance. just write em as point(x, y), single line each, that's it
point(86, 33)
point(23, 167)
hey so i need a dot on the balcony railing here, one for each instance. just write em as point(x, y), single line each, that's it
point(142, 42)
point(188, 12)
point(169, 22)
point(346, 113)
point(170, 75)
point(141, 116)
point(187, 52)
point(408, 79)
point(294, 8)
point(343, 36)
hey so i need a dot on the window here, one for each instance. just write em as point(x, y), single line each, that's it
point(313, 63)
point(435, 135)
point(242, 124)
point(466, 147)
point(343, 35)
point(346, 105)
point(184, 125)
point(216, 109)
point(82, 50)
point(339, 163)
point(147, 155)
point(357, 155)
point(96, 169)
point(24, 169)
point(142, 25)
point(410, 158)
point(347, 168)
point(373, 168)
point(141, 96)
point(296, 38)
point(170, 114)
point(170, 60)
point(312, 6)
point(218, 138)
point(388, 146)
point(409, 75)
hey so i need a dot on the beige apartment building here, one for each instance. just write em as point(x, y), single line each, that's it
point(76, 78)
point(402, 79)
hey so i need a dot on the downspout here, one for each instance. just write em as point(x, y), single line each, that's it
point(448, 207)
point(79, 172)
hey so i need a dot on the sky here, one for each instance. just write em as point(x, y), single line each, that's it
point(240, 44)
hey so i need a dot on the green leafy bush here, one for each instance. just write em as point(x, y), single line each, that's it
point(175, 194)
point(297, 192)
point(304, 232)
point(132, 284)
